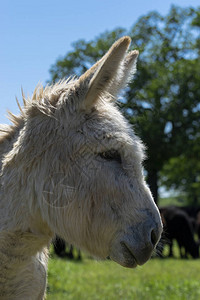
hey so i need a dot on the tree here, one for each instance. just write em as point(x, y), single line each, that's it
point(163, 108)
point(162, 102)
point(183, 173)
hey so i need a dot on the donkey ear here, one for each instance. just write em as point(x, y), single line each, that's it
point(128, 69)
point(101, 75)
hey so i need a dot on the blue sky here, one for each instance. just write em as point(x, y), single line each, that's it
point(35, 33)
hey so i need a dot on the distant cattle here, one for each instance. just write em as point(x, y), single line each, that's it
point(194, 214)
point(60, 248)
point(198, 224)
point(178, 226)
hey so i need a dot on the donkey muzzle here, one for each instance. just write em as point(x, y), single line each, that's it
point(136, 245)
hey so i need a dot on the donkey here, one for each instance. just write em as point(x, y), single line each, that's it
point(71, 165)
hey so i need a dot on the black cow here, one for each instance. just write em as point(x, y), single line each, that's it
point(194, 214)
point(198, 224)
point(178, 226)
point(60, 249)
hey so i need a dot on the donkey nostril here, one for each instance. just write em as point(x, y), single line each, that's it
point(153, 237)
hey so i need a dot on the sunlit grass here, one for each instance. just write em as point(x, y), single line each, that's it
point(158, 279)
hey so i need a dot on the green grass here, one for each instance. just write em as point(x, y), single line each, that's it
point(158, 279)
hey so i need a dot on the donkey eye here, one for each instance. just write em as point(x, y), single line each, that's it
point(111, 155)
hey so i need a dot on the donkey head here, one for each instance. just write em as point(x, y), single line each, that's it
point(84, 164)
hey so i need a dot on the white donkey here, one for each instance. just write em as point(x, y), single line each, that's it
point(71, 165)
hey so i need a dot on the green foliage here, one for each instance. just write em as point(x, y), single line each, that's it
point(161, 279)
point(163, 100)
point(180, 200)
point(183, 173)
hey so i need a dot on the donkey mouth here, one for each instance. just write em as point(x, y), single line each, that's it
point(124, 257)
point(129, 259)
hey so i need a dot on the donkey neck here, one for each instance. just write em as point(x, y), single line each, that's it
point(23, 268)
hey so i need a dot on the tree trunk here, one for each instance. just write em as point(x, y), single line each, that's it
point(152, 180)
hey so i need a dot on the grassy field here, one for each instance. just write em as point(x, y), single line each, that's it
point(91, 280)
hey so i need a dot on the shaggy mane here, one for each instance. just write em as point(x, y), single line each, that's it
point(43, 99)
